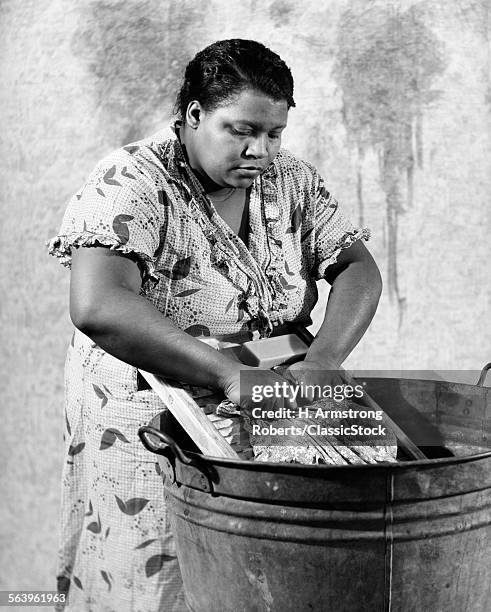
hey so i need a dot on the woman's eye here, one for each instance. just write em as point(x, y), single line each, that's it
point(240, 133)
point(275, 136)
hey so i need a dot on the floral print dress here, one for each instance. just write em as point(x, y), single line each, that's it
point(116, 551)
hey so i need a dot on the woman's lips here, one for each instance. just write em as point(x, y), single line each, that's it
point(248, 171)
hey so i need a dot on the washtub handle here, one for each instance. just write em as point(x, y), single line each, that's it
point(482, 376)
point(146, 430)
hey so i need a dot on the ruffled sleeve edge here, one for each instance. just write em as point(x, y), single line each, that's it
point(346, 241)
point(61, 247)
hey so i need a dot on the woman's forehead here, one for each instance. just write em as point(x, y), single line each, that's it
point(254, 107)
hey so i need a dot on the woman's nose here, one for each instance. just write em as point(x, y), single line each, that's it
point(258, 147)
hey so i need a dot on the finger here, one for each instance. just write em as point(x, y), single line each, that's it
point(279, 405)
point(279, 402)
point(305, 388)
point(290, 375)
point(290, 403)
point(289, 392)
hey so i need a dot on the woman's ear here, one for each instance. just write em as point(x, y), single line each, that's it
point(193, 114)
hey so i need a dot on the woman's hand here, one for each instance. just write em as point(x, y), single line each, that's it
point(252, 388)
point(313, 377)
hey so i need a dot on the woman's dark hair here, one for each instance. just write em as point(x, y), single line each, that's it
point(227, 67)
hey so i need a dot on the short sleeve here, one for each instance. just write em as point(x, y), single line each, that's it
point(327, 229)
point(117, 208)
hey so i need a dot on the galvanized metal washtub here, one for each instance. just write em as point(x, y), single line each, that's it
point(412, 536)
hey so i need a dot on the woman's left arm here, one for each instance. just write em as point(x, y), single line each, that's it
point(356, 288)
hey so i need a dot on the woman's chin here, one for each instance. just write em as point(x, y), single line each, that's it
point(242, 180)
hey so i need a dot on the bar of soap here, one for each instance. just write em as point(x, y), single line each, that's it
point(268, 352)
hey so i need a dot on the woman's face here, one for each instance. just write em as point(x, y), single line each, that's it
point(231, 145)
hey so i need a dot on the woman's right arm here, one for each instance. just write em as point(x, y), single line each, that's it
point(106, 306)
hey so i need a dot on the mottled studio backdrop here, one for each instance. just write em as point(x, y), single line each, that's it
point(393, 106)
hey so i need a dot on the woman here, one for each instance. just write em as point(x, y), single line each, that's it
point(212, 230)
